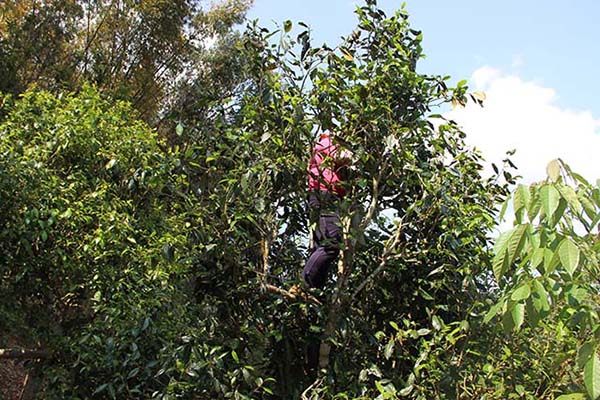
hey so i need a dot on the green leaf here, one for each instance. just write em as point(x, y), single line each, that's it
point(572, 396)
point(521, 201)
point(100, 388)
point(550, 199)
point(503, 209)
point(570, 196)
point(584, 353)
point(168, 251)
point(287, 26)
point(569, 255)
point(521, 293)
point(436, 322)
point(110, 164)
point(406, 391)
point(508, 322)
point(534, 204)
point(507, 249)
point(533, 316)
point(518, 315)
point(389, 349)
point(540, 298)
point(501, 258)
point(179, 129)
point(591, 377)
point(235, 356)
point(588, 206)
point(537, 257)
point(553, 170)
point(492, 312)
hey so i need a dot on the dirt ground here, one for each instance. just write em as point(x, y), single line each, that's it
point(12, 375)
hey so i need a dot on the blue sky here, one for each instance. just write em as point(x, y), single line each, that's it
point(536, 60)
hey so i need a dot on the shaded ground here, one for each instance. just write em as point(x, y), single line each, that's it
point(12, 375)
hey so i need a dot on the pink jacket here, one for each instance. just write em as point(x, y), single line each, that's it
point(323, 169)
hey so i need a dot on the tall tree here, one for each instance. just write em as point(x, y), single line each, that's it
point(139, 51)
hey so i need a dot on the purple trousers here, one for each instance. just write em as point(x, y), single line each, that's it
point(327, 237)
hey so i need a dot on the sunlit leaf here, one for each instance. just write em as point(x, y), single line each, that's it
point(553, 170)
point(569, 255)
point(591, 375)
point(521, 293)
point(550, 199)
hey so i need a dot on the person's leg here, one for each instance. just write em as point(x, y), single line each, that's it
point(328, 238)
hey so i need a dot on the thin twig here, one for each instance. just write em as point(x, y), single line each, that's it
point(382, 264)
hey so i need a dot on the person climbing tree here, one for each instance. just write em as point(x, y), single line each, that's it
point(326, 188)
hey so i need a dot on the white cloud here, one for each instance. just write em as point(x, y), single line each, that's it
point(523, 115)
point(518, 61)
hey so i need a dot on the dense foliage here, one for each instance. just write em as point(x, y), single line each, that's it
point(164, 263)
point(148, 52)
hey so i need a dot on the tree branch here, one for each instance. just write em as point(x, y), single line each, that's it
point(23, 354)
point(371, 211)
point(382, 264)
point(292, 295)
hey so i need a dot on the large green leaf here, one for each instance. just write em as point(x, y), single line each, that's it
point(539, 297)
point(570, 196)
point(537, 257)
point(553, 170)
point(550, 199)
point(584, 353)
point(521, 293)
point(588, 206)
point(517, 241)
point(518, 315)
point(569, 255)
point(533, 316)
point(521, 201)
point(507, 248)
point(534, 203)
point(501, 257)
point(591, 377)
point(572, 396)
